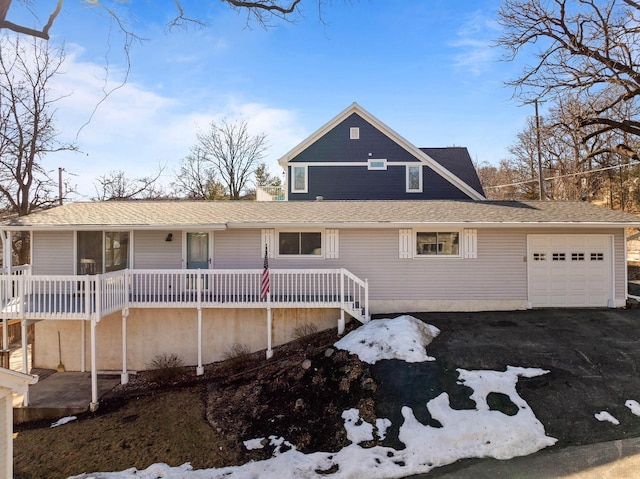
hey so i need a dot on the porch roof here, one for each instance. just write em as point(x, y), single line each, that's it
point(341, 214)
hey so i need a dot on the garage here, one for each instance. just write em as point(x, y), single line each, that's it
point(570, 270)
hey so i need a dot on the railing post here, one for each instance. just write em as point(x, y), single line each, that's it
point(366, 300)
point(341, 321)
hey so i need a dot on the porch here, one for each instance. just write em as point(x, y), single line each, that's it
point(89, 298)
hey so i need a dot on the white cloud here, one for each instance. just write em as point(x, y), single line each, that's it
point(136, 128)
point(474, 40)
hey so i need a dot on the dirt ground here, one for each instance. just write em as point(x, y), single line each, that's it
point(592, 356)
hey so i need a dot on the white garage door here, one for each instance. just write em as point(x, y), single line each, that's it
point(569, 270)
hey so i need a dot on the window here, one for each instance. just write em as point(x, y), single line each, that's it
point(558, 256)
point(539, 256)
point(597, 256)
point(300, 243)
point(89, 252)
point(577, 256)
point(102, 251)
point(116, 250)
point(354, 133)
point(438, 243)
point(377, 164)
point(299, 183)
point(414, 179)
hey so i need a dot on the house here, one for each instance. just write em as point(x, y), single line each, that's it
point(10, 382)
point(121, 282)
point(357, 157)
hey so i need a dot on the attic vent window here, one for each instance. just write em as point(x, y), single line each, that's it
point(354, 133)
point(379, 164)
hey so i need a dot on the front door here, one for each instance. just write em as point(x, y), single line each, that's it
point(197, 250)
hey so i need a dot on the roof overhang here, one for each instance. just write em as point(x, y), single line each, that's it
point(16, 381)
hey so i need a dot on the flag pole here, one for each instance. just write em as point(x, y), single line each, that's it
point(265, 293)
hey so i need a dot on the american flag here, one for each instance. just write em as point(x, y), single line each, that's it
point(266, 281)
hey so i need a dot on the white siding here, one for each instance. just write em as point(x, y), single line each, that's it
point(53, 252)
point(152, 251)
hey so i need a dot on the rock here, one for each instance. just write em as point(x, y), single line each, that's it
point(329, 352)
point(299, 404)
point(306, 364)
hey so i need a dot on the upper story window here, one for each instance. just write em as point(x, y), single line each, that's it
point(377, 164)
point(414, 178)
point(354, 133)
point(445, 243)
point(299, 184)
point(298, 243)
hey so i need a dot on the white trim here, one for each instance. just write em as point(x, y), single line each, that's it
point(353, 163)
point(306, 179)
point(470, 243)
point(332, 243)
point(422, 156)
point(405, 244)
point(370, 164)
point(407, 178)
point(268, 238)
point(354, 133)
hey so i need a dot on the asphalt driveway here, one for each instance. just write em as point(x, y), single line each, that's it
point(593, 356)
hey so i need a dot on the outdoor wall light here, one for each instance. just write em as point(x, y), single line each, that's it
point(169, 237)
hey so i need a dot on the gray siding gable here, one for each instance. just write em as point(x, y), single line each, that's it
point(357, 182)
point(335, 145)
point(457, 160)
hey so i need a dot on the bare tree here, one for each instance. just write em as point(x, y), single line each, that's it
point(585, 48)
point(27, 130)
point(233, 151)
point(116, 186)
point(260, 11)
point(196, 178)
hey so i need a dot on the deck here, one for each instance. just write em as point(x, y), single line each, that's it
point(34, 297)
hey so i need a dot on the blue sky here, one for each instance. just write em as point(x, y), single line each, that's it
point(426, 68)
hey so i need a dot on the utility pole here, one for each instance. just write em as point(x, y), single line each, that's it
point(60, 170)
point(541, 194)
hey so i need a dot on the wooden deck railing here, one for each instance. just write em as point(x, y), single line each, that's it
point(26, 296)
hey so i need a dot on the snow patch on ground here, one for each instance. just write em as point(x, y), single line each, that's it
point(605, 416)
point(478, 432)
point(404, 337)
point(634, 406)
point(63, 420)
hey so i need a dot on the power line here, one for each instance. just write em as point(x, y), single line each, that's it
point(551, 178)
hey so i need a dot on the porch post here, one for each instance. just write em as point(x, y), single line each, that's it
point(124, 377)
point(94, 372)
point(269, 327)
point(341, 320)
point(83, 347)
point(199, 281)
point(5, 293)
point(25, 359)
point(200, 367)
point(8, 252)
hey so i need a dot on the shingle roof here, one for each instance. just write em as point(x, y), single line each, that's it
point(230, 214)
point(457, 160)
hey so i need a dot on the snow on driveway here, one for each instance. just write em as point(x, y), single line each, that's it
point(479, 432)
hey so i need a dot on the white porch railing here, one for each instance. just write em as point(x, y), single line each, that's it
point(25, 296)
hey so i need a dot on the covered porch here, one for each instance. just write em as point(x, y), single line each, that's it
point(89, 298)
